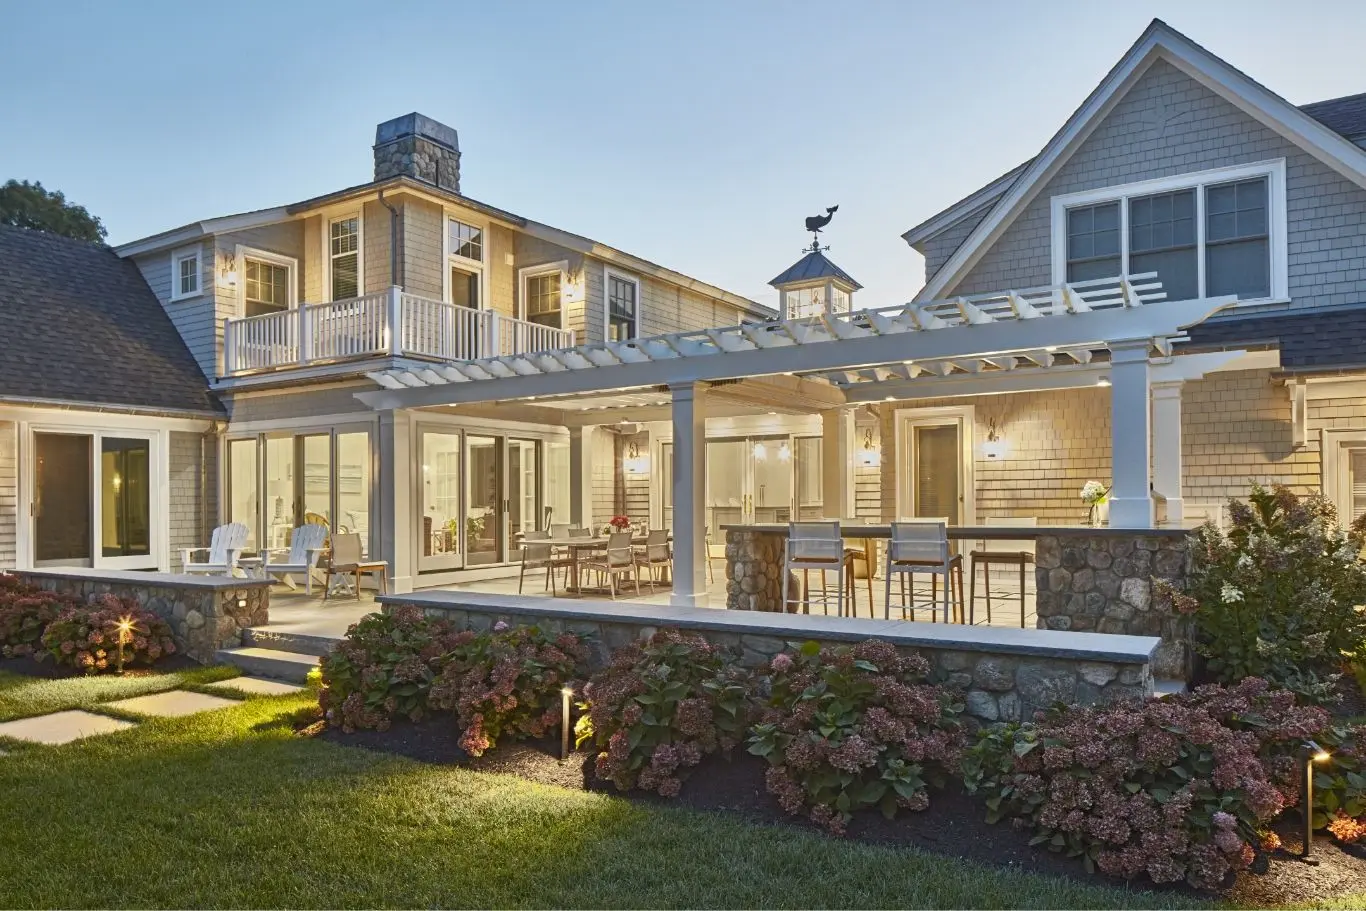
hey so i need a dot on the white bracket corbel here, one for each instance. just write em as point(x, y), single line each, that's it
point(1299, 414)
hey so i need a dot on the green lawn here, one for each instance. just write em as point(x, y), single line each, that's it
point(231, 809)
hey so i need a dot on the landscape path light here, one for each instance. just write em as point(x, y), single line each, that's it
point(1312, 753)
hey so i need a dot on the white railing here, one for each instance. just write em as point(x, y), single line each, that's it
point(391, 322)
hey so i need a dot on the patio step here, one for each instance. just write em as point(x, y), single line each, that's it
point(299, 643)
point(270, 662)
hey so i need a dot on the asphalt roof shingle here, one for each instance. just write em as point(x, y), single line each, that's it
point(79, 324)
point(1346, 116)
point(1318, 340)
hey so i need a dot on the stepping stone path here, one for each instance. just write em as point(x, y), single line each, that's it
point(62, 727)
point(172, 704)
point(258, 686)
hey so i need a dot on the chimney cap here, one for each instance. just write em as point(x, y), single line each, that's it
point(416, 124)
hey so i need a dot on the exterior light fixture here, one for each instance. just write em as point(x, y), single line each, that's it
point(565, 693)
point(993, 447)
point(633, 462)
point(1103, 381)
point(1312, 753)
point(125, 635)
point(760, 451)
point(784, 453)
point(890, 398)
point(868, 455)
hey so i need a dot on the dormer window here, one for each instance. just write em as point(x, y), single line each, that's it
point(1208, 234)
point(185, 273)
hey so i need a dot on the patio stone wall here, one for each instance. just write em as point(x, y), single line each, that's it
point(1004, 674)
point(1103, 583)
point(205, 613)
point(754, 571)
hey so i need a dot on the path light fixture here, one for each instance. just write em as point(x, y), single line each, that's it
point(565, 693)
point(125, 635)
point(1313, 753)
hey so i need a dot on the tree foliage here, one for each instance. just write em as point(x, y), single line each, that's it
point(30, 205)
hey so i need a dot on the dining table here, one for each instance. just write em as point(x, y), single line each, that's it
point(578, 545)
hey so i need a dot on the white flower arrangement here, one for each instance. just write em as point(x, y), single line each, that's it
point(1093, 492)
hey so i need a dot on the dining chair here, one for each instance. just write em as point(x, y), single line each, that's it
point(346, 561)
point(538, 554)
point(1017, 553)
point(618, 560)
point(923, 547)
point(656, 555)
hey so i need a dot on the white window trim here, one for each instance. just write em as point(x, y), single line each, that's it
point(608, 273)
point(177, 257)
point(451, 258)
point(359, 216)
point(527, 272)
point(244, 253)
point(1335, 480)
point(1277, 227)
point(965, 416)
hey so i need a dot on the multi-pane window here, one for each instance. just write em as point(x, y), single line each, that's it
point(267, 287)
point(543, 299)
point(805, 302)
point(467, 241)
point(1237, 243)
point(621, 308)
point(184, 274)
point(345, 255)
point(1208, 239)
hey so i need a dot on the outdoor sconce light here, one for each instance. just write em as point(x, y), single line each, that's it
point(565, 693)
point(1312, 753)
point(784, 453)
point(993, 447)
point(1103, 381)
point(868, 455)
point(760, 451)
point(633, 462)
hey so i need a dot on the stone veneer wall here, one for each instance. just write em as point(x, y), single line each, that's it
point(1102, 583)
point(754, 571)
point(1005, 674)
point(206, 614)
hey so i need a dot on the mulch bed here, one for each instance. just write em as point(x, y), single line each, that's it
point(51, 670)
point(953, 826)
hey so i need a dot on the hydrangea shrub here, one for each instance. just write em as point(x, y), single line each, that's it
point(507, 683)
point(25, 611)
point(1276, 596)
point(1158, 788)
point(853, 727)
point(660, 706)
point(87, 636)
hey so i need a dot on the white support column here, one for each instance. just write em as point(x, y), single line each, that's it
point(837, 463)
point(1167, 448)
point(581, 476)
point(689, 482)
point(1131, 501)
point(396, 496)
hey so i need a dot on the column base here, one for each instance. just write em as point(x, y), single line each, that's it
point(1131, 512)
point(401, 585)
point(1176, 510)
point(682, 599)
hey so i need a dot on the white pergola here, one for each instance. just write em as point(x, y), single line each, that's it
point(1032, 339)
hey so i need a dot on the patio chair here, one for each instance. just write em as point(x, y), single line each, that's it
point(346, 561)
point(305, 546)
point(618, 560)
point(224, 551)
point(818, 546)
point(655, 555)
point(923, 547)
point(1000, 553)
point(537, 555)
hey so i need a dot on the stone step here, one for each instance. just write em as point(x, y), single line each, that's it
point(299, 643)
point(269, 662)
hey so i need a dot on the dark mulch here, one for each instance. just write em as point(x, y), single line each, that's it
point(954, 825)
point(51, 670)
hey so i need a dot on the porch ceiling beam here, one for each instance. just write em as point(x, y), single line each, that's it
point(1094, 327)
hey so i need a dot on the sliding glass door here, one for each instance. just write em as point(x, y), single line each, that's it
point(92, 500)
point(63, 493)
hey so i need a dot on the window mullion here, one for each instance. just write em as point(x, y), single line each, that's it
point(1124, 236)
point(1200, 239)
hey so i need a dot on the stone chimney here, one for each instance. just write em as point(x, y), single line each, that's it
point(418, 147)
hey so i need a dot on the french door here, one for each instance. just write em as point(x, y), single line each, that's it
point(749, 480)
point(936, 479)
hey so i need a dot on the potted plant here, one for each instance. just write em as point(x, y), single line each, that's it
point(1096, 496)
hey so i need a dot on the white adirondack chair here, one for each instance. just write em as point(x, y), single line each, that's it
point(304, 548)
point(224, 550)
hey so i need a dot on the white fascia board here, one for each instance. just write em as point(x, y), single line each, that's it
point(1096, 328)
point(1158, 41)
point(200, 229)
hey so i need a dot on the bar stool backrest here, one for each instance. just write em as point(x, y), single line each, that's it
point(815, 541)
point(1014, 547)
point(919, 541)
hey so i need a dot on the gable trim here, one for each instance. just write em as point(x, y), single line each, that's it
point(1158, 41)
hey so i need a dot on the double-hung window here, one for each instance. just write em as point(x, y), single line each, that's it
point(266, 286)
point(185, 273)
point(344, 256)
point(623, 305)
point(465, 244)
point(1208, 234)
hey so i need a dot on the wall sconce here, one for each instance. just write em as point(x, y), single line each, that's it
point(760, 451)
point(573, 287)
point(1103, 381)
point(784, 453)
point(993, 447)
point(868, 455)
point(227, 272)
point(634, 462)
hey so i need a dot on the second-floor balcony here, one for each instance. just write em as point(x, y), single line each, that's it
point(389, 323)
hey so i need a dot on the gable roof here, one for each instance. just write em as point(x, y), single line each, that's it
point(1159, 40)
point(80, 325)
point(812, 266)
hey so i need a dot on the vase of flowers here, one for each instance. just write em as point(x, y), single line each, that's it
point(1096, 496)
point(617, 524)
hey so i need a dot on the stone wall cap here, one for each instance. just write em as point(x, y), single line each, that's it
point(988, 532)
point(1002, 640)
point(416, 124)
point(136, 577)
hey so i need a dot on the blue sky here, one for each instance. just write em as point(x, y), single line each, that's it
point(694, 134)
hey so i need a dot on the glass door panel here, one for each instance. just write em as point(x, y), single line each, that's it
point(810, 490)
point(63, 491)
point(125, 498)
point(727, 465)
point(666, 481)
point(557, 481)
point(244, 496)
point(770, 480)
point(280, 497)
point(936, 471)
point(315, 487)
point(353, 486)
point(484, 508)
point(522, 483)
point(440, 501)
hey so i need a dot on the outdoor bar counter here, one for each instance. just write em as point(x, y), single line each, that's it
point(1087, 579)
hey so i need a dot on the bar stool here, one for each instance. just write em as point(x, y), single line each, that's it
point(818, 546)
point(864, 551)
point(988, 555)
point(923, 547)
